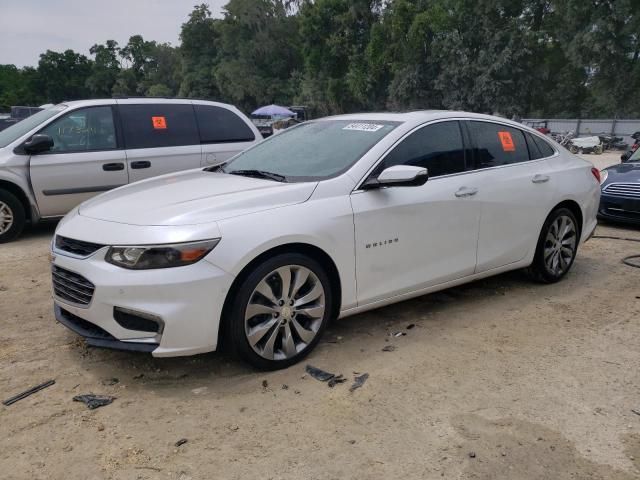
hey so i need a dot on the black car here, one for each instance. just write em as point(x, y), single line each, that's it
point(620, 200)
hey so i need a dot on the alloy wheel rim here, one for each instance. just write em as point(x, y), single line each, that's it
point(560, 245)
point(6, 218)
point(285, 312)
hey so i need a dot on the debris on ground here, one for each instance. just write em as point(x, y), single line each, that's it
point(398, 334)
point(139, 376)
point(318, 374)
point(637, 412)
point(94, 401)
point(472, 454)
point(199, 390)
point(285, 386)
point(181, 442)
point(26, 393)
point(336, 380)
point(389, 348)
point(359, 381)
point(410, 326)
point(265, 384)
point(107, 382)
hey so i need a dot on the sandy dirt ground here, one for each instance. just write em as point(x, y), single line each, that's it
point(499, 379)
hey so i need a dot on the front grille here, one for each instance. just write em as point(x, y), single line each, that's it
point(623, 189)
point(71, 287)
point(76, 247)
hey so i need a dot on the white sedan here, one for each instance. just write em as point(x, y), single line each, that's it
point(330, 218)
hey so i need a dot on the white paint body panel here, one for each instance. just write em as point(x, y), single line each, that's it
point(442, 239)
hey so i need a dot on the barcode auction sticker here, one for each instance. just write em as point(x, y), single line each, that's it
point(363, 127)
point(159, 123)
point(507, 142)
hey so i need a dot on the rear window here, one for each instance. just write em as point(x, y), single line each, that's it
point(219, 125)
point(159, 125)
point(534, 151)
point(496, 144)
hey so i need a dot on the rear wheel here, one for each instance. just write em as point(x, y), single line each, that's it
point(280, 311)
point(557, 247)
point(12, 216)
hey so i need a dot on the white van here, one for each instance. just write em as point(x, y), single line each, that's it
point(65, 154)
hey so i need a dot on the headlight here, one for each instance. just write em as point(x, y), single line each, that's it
point(603, 176)
point(159, 256)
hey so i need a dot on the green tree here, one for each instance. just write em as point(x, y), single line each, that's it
point(63, 76)
point(105, 68)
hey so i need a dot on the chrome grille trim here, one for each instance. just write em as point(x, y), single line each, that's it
point(76, 248)
point(623, 189)
point(71, 287)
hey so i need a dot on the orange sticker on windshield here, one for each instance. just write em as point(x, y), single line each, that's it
point(507, 142)
point(159, 123)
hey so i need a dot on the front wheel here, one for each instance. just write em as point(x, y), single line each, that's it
point(12, 216)
point(557, 247)
point(280, 311)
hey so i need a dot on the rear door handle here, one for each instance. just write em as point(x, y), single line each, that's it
point(140, 164)
point(466, 192)
point(540, 179)
point(113, 167)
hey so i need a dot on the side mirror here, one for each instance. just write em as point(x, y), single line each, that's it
point(399, 176)
point(38, 143)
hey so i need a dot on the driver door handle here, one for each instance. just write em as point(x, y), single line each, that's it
point(140, 164)
point(540, 178)
point(112, 167)
point(466, 192)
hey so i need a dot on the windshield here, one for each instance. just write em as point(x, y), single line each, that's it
point(11, 134)
point(313, 151)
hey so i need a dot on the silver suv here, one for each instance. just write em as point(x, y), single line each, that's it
point(59, 157)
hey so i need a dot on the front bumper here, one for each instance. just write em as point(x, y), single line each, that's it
point(619, 209)
point(187, 301)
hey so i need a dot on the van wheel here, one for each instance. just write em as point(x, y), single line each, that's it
point(279, 312)
point(557, 247)
point(12, 216)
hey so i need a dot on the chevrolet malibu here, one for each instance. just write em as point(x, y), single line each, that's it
point(331, 218)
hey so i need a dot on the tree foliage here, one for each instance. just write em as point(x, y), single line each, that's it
point(514, 57)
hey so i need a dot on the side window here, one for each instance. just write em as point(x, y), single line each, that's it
point(219, 125)
point(83, 130)
point(497, 144)
point(438, 148)
point(544, 147)
point(534, 151)
point(159, 125)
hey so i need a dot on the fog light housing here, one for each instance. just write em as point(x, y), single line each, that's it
point(139, 321)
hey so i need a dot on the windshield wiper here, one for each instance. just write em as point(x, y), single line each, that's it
point(260, 174)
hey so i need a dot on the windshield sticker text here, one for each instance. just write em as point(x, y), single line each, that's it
point(363, 127)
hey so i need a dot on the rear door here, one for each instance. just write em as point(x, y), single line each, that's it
point(159, 138)
point(514, 190)
point(223, 133)
point(87, 158)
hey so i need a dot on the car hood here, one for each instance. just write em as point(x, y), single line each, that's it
point(623, 172)
point(191, 198)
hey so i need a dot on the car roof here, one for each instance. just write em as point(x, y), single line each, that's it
point(420, 116)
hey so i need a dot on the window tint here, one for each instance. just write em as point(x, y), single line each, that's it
point(497, 144)
point(159, 125)
point(84, 129)
point(543, 146)
point(437, 147)
point(218, 125)
point(534, 151)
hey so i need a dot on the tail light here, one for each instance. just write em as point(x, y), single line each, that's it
point(596, 174)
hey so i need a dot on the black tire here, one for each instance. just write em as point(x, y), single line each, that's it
point(236, 340)
point(9, 201)
point(540, 269)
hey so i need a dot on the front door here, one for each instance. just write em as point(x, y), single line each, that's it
point(409, 238)
point(86, 159)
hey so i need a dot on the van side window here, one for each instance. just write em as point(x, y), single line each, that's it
point(83, 130)
point(437, 147)
point(158, 125)
point(545, 148)
point(496, 144)
point(219, 125)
